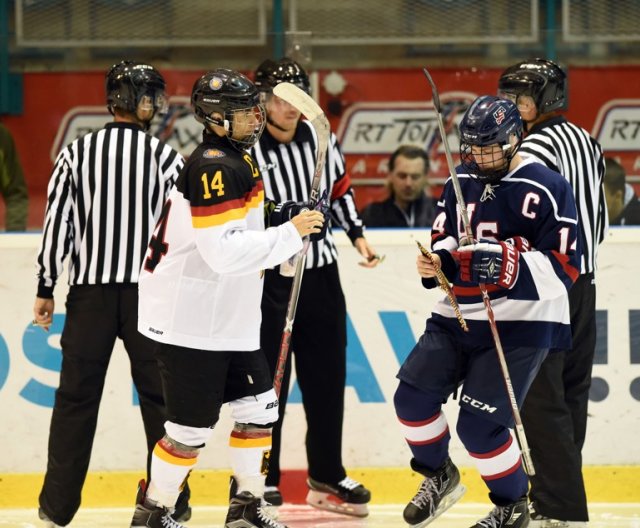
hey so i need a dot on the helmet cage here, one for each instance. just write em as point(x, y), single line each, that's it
point(490, 122)
point(232, 96)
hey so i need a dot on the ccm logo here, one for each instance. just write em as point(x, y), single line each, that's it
point(478, 404)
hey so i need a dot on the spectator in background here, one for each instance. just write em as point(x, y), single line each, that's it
point(12, 185)
point(407, 205)
point(622, 202)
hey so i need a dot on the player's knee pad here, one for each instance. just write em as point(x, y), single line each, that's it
point(193, 437)
point(261, 409)
point(479, 434)
point(413, 404)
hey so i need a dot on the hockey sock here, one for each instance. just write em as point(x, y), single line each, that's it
point(250, 448)
point(496, 455)
point(423, 425)
point(171, 463)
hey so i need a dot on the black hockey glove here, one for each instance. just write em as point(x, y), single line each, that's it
point(489, 263)
point(323, 207)
point(285, 211)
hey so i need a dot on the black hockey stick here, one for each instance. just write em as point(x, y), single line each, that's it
point(519, 428)
point(310, 109)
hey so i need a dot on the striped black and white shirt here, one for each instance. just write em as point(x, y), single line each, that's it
point(571, 151)
point(287, 171)
point(105, 194)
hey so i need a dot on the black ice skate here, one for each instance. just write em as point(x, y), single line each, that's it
point(47, 523)
point(273, 496)
point(511, 515)
point(440, 490)
point(540, 521)
point(149, 515)
point(248, 511)
point(182, 510)
point(347, 496)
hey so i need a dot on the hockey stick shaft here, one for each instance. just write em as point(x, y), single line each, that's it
point(519, 428)
point(310, 109)
point(444, 285)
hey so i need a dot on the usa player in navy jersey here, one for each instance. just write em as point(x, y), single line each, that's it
point(523, 218)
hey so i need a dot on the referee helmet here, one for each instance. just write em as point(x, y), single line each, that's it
point(541, 79)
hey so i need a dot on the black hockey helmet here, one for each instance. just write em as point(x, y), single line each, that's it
point(127, 82)
point(490, 121)
point(271, 73)
point(226, 92)
point(541, 79)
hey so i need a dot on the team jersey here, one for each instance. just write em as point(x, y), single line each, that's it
point(571, 151)
point(288, 170)
point(531, 202)
point(201, 282)
point(105, 195)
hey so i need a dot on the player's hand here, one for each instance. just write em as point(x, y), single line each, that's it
point(372, 259)
point(308, 222)
point(489, 263)
point(43, 313)
point(426, 268)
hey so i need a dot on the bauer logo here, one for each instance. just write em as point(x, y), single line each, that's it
point(178, 127)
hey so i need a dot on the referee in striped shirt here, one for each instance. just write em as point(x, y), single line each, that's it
point(286, 156)
point(555, 410)
point(105, 194)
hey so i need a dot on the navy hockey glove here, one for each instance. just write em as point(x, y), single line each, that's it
point(323, 207)
point(489, 263)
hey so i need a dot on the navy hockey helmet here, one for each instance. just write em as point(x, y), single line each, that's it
point(271, 73)
point(541, 79)
point(128, 82)
point(490, 134)
point(227, 93)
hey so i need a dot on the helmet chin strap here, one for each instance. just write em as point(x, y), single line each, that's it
point(224, 123)
point(275, 125)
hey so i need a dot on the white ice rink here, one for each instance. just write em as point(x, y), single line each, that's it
point(611, 515)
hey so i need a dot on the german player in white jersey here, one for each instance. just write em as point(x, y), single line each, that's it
point(523, 217)
point(200, 292)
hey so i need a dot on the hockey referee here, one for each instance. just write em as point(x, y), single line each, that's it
point(286, 156)
point(105, 194)
point(555, 410)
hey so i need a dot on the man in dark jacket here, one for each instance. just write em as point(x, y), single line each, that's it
point(407, 205)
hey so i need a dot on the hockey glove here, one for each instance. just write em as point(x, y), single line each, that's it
point(285, 211)
point(323, 207)
point(520, 243)
point(489, 263)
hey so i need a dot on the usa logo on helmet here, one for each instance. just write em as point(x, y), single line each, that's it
point(499, 115)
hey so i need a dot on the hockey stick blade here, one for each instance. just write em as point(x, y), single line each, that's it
point(303, 102)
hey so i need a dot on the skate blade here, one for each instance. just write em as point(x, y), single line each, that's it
point(331, 503)
point(446, 503)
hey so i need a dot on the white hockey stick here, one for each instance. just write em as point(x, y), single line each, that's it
point(304, 103)
point(519, 428)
